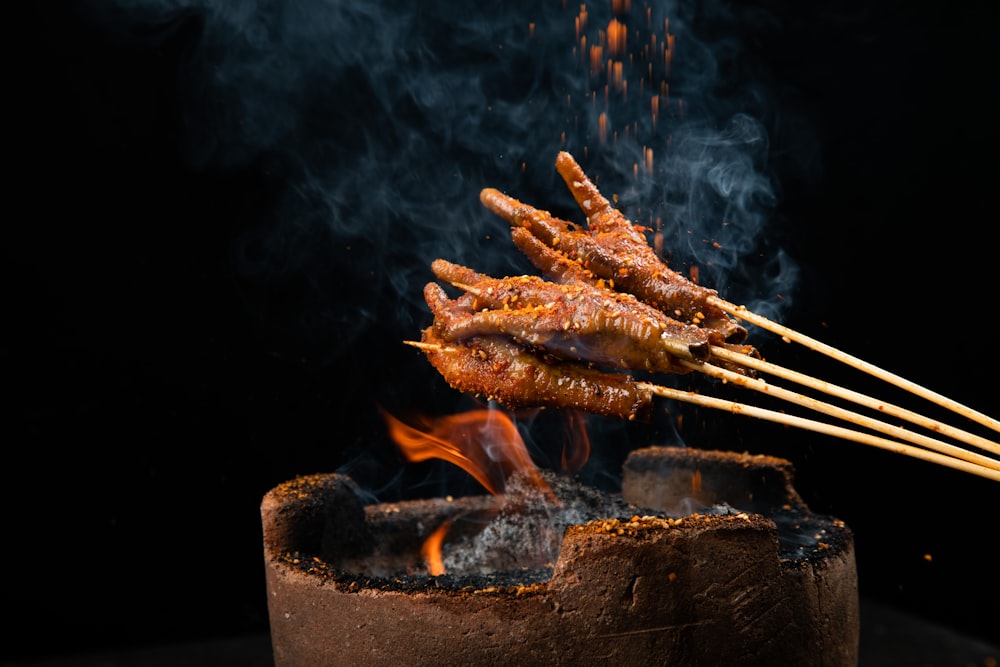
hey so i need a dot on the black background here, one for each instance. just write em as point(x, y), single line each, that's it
point(155, 394)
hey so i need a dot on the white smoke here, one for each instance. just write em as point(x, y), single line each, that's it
point(384, 119)
point(376, 125)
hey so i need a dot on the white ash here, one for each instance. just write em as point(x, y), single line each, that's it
point(527, 531)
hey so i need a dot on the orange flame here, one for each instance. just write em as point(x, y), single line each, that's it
point(431, 549)
point(576, 448)
point(487, 445)
point(483, 443)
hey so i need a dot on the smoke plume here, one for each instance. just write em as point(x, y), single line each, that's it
point(376, 124)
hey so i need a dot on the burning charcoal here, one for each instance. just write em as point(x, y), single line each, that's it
point(527, 531)
point(632, 586)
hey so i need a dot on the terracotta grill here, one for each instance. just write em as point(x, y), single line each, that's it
point(751, 577)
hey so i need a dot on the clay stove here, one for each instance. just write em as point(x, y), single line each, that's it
point(714, 560)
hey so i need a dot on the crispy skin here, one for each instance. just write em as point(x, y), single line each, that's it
point(577, 321)
point(612, 249)
point(561, 269)
point(644, 273)
point(551, 263)
point(501, 370)
point(574, 320)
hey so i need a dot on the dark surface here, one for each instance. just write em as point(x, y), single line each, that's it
point(179, 339)
point(889, 638)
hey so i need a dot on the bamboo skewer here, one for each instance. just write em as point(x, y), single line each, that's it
point(603, 218)
point(856, 397)
point(740, 312)
point(681, 351)
point(603, 221)
point(933, 451)
point(824, 428)
point(847, 415)
point(432, 347)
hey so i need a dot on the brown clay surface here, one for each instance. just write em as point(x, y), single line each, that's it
point(701, 589)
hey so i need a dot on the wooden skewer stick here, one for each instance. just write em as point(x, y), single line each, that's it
point(681, 351)
point(600, 212)
point(826, 408)
point(741, 312)
point(821, 427)
point(855, 397)
point(433, 347)
point(959, 459)
point(847, 415)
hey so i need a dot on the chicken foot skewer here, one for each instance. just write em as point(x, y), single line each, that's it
point(614, 250)
point(562, 269)
point(581, 323)
point(574, 320)
point(502, 370)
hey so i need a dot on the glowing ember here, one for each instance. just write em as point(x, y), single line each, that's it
point(581, 22)
point(614, 65)
point(596, 59)
point(616, 38)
